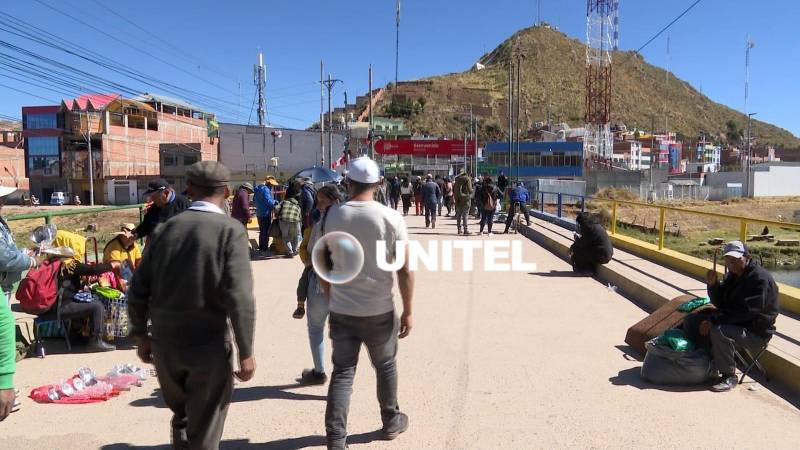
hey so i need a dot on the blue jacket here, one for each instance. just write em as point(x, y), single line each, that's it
point(431, 193)
point(13, 261)
point(520, 194)
point(264, 200)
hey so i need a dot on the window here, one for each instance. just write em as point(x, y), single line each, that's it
point(170, 160)
point(43, 145)
point(43, 166)
point(188, 160)
point(35, 121)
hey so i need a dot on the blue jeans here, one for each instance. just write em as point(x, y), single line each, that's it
point(263, 232)
point(316, 315)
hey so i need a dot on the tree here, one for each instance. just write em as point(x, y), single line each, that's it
point(732, 132)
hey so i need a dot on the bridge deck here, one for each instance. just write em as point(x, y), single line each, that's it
point(496, 360)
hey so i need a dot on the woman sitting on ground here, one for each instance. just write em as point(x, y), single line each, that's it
point(592, 246)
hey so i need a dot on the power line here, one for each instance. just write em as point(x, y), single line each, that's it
point(666, 27)
point(127, 44)
point(186, 55)
point(28, 93)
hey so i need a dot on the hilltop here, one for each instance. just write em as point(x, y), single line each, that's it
point(553, 79)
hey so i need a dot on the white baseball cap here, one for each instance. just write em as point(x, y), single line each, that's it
point(735, 249)
point(364, 170)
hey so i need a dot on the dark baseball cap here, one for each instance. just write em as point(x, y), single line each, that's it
point(208, 174)
point(156, 185)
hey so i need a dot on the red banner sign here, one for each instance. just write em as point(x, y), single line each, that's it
point(423, 147)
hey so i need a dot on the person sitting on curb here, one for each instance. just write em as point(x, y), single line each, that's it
point(747, 306)
point(592, 246)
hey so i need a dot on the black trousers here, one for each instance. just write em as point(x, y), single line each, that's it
point(77, 310)
point(512, 211)
point(197, 383)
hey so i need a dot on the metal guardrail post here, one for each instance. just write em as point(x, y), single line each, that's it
point(560, 205)
point(613, 217)
point(541, 204)
point(583, 203)
point(661, 223)
point(48, 219)
point(743, 230)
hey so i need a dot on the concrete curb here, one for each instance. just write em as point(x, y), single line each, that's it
point(780, 366)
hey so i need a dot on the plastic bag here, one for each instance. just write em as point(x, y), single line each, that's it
point(691, 305)
point(675, 340)
point(663, 365)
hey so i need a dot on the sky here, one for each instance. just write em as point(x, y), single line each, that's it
point(209, 47)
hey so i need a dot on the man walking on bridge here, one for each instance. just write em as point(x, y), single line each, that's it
point(362, 310)
point(194, 279)
point(431, 197)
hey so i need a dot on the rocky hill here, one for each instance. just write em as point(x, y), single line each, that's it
point(553, 80)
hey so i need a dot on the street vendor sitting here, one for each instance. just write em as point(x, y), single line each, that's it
point(124, 249)
point(746, 302)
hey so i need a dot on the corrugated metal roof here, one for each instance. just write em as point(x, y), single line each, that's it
point(148, 97)
point(95, 101)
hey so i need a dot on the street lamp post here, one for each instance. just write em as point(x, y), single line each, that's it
point(275, 135)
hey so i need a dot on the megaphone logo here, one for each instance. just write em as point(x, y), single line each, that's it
point(343, 248)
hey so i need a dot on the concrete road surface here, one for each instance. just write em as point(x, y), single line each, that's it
point(495, 360)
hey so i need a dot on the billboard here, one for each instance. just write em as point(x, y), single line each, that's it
point(444, 147)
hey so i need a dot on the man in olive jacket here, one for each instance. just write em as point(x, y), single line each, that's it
point(195, 276)
point(462, 190)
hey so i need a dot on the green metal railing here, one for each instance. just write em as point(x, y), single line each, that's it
point(48, 215)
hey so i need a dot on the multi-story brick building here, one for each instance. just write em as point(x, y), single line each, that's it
point(133, 141)
point(12, 156)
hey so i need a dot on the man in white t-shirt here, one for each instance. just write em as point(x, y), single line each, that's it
point(362, 310)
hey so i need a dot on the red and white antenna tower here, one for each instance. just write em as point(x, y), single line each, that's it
point(602, 37)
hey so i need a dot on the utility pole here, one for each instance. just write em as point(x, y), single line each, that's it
point(88, 136)
point(371, 132)
point(510, 113)
point(748, 46)
point(519, 99)
point(321, 115)
point(749, 154)
point(260, 79)
point(397, 48)
point(652, 153)
point(471, 137)
point(329, 83)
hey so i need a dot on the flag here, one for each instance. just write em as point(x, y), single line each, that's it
point(212, 126)
point(341, 161)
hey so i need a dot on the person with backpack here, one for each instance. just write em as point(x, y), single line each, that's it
point(49, 291)
point(462, 192)
point(290, 219)
point(447, 193)
point(406, 191)
point(477, 188)
point(418, 206)
point(488, 198)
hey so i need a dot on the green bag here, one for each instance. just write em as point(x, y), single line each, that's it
point(691, 305)
point(675, 340)
point(107, 292)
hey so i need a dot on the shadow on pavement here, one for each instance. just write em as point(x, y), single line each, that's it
point(629, 353)
point(561, 274)
point(632, 377)
point(246, 394)
point(282, 444)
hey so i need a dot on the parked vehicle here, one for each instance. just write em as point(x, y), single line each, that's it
point(58, 198)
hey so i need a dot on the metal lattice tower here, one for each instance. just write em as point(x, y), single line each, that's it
point(260, 79)
point(602, 37)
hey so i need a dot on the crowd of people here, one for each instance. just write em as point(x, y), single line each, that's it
point(194, 283)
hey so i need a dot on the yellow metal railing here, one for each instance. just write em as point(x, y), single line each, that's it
point(662, 214)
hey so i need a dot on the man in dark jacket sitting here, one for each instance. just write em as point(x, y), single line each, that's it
point(519, 197)
point(592, 246)
point(747, 306)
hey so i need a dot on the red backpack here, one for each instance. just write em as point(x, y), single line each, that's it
point(38, 291)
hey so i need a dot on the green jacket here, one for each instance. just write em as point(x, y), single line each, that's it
point(462, 190)
point(8, 344)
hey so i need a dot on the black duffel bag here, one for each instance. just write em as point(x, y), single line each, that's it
point(663, 365)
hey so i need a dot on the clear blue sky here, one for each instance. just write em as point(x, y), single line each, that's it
point(218, 42)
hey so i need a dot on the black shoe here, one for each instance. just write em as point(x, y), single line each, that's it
point(393, 431)
point(726, 384)
point(98, 345)
point(311, 376)
point(299, 313)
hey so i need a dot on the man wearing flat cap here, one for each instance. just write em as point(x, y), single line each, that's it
point(240, 209)
point(193, 278)
point(166, 204)
point(747, 306)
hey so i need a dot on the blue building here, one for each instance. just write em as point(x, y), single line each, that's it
point(538, 159)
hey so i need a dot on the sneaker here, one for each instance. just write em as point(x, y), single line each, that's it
point(17, 403)
point(467, 233)
point(400, 426)
point(299, 313)
point(311, 376)
point(459, 231)
point(726, 384)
